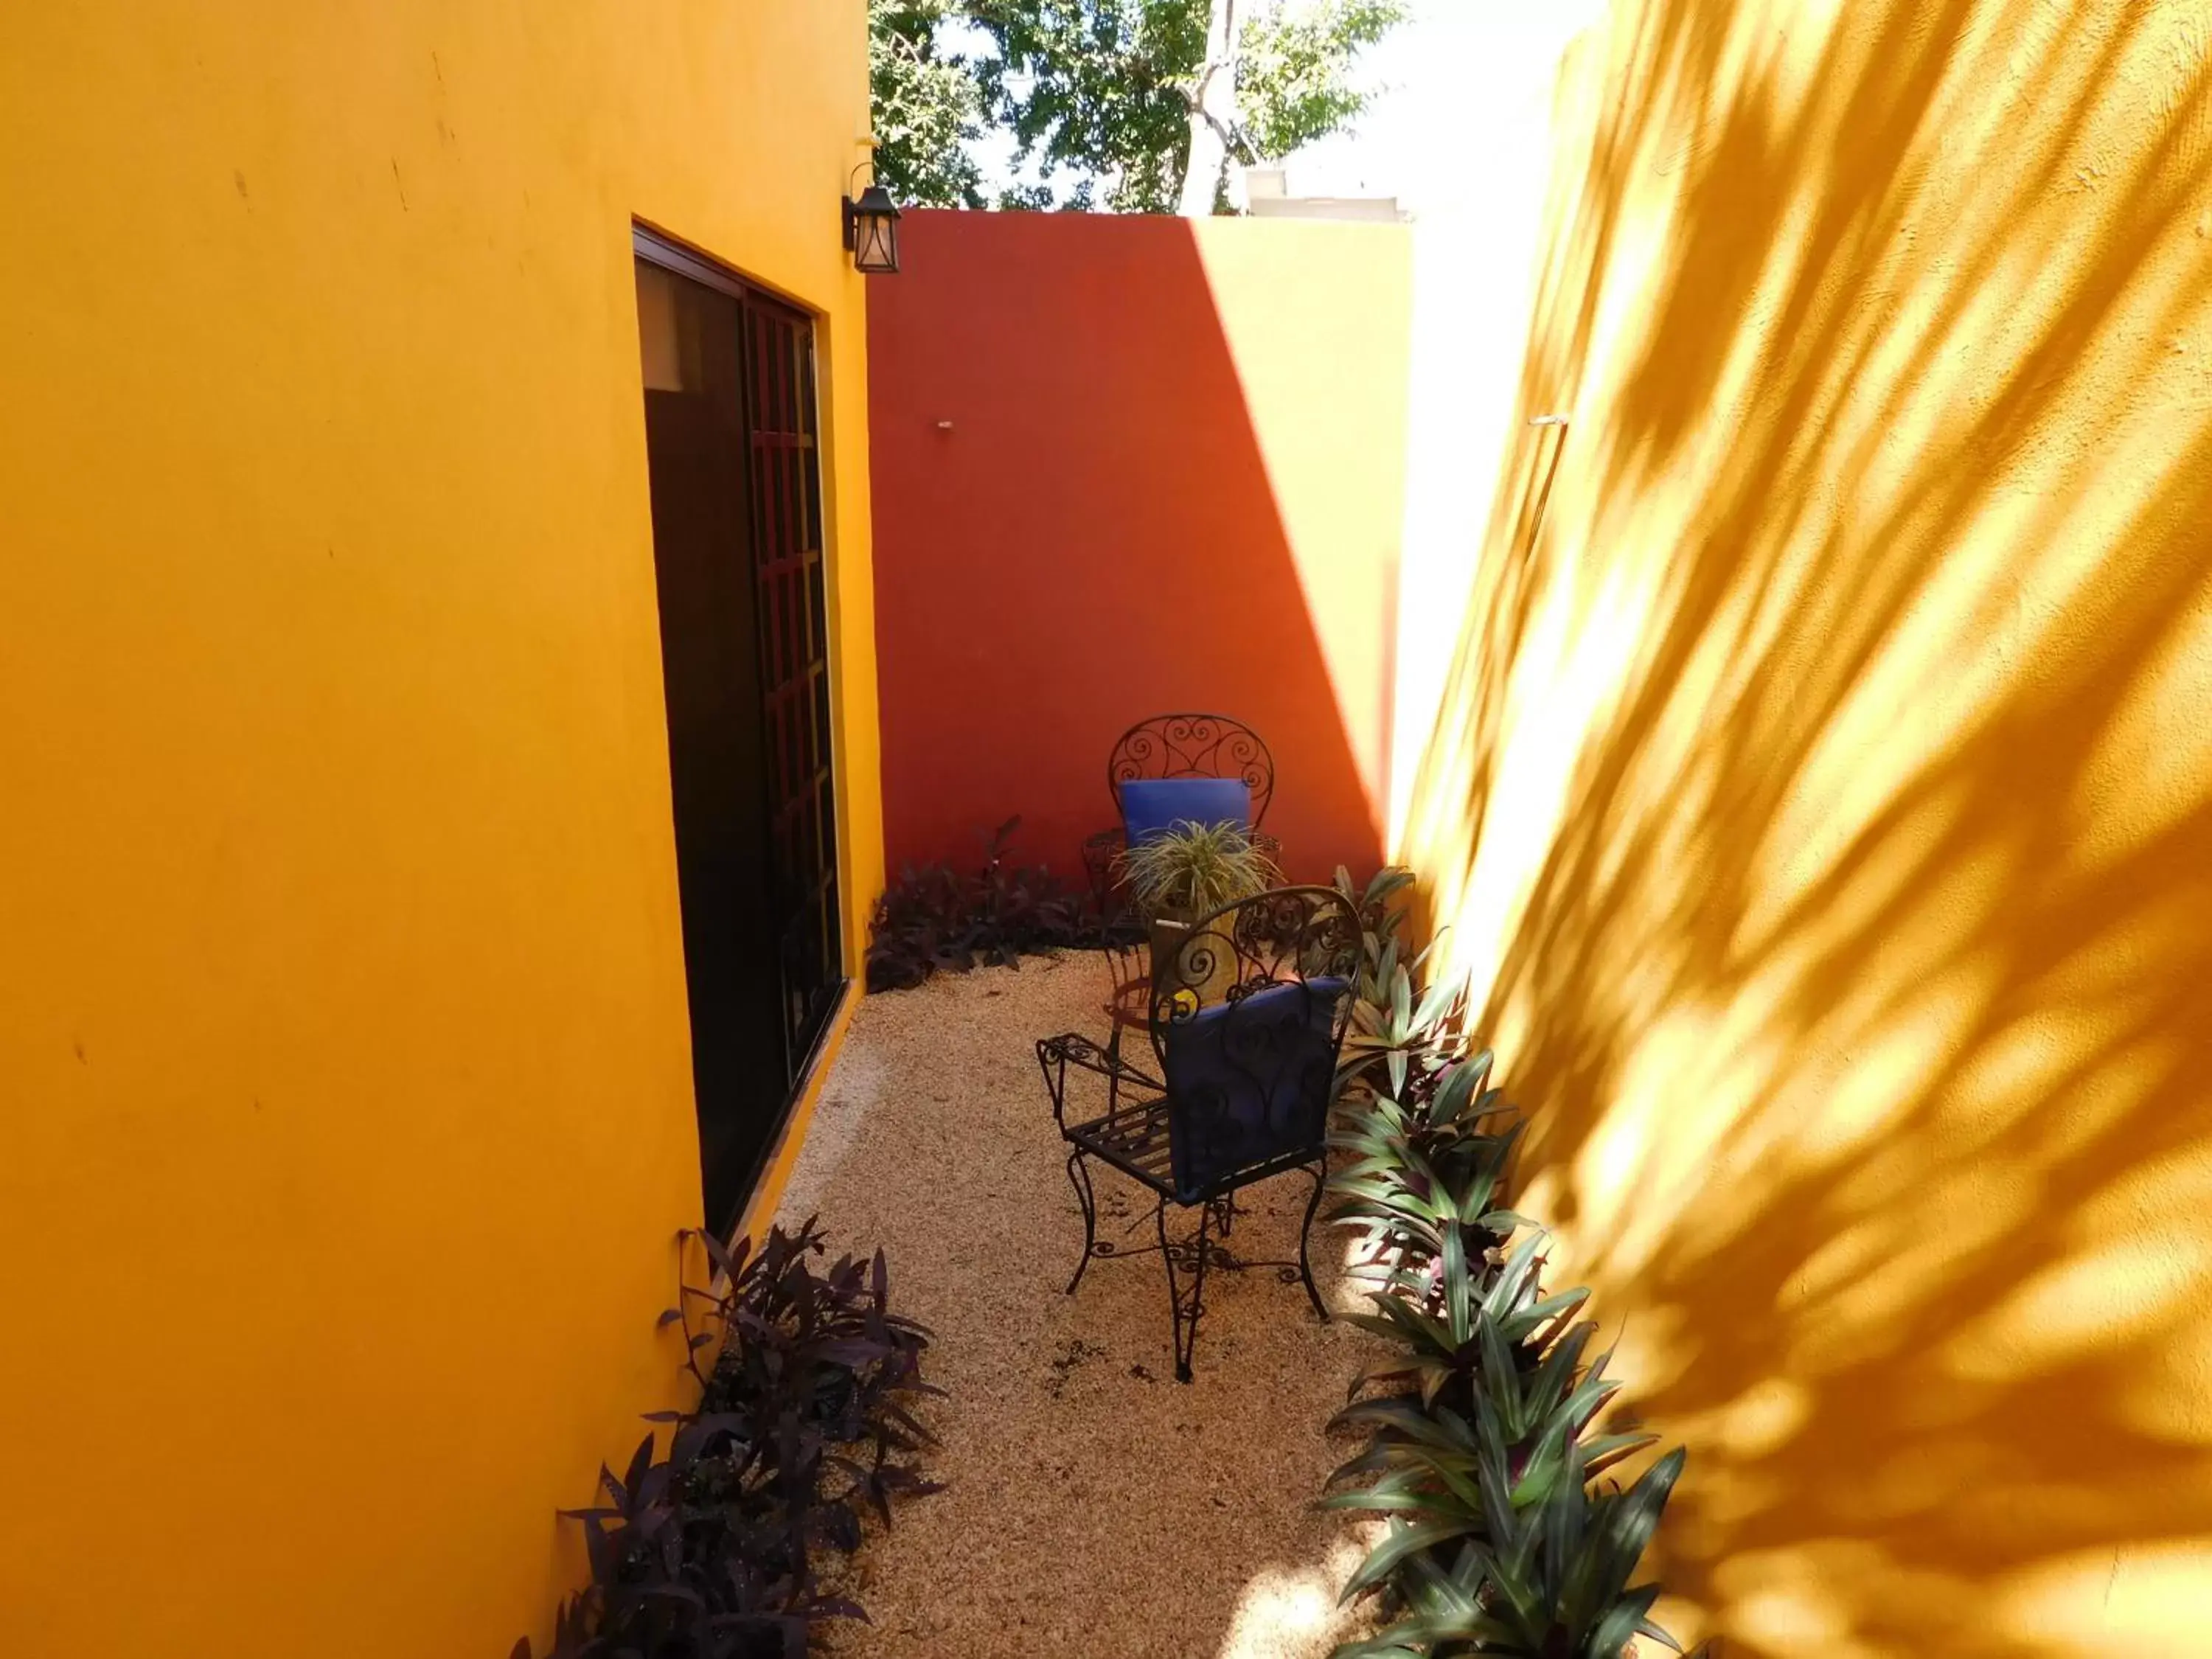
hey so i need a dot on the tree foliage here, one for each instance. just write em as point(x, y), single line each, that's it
point(927, 106)
point(1095, 89)
point(1097, 96)
point(1295, 81)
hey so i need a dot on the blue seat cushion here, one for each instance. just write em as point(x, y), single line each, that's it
point(1249, 1081)
point(1150, 806)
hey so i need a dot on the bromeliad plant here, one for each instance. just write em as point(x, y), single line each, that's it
point(1399, 1043)
point(805, 1425)
point(1383, 921)
point(1422, 1179)
point(1550, 1582)
point(938, 917)
point(1482, 1447)
point(1402, 1037)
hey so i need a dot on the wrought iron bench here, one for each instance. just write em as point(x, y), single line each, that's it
point(1246, 1023)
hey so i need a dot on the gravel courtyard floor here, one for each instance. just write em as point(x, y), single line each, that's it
point(1094, 1505)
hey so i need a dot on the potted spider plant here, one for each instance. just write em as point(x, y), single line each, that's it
point(1187, 871)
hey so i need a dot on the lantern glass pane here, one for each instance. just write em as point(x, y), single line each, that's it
point(875, 243)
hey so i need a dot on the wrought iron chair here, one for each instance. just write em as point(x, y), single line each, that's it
point(1177, 746)
point(1246, 1023)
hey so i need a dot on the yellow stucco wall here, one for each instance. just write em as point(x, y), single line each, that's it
point(1318, 318)
point(342, 1044)
point(1821, 797)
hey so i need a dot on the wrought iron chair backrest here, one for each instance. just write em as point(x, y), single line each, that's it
point(1248, 1018)
point(1194, 746)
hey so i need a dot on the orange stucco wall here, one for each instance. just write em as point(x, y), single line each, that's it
point(1129, 465)
point(1820, 795)
point(343, 1043)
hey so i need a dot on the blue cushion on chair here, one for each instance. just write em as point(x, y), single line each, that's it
point(1151, 805)
point(1251, 1080)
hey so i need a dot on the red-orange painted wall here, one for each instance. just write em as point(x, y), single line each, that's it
point(1126, 466)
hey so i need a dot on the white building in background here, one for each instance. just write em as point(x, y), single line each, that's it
point(1266, 195)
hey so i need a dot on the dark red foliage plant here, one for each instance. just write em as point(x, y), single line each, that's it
point(806, 1426)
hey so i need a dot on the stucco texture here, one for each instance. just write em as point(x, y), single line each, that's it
point(1821, 798)
point(1125, 466)
point(343, 1039)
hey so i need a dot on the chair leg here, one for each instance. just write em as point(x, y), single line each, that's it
point(1305, 1228)
point(1184, 1312)
point(1078, 1176)
point(1113, 1069)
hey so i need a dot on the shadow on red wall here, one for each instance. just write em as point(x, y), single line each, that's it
point(1074, 529)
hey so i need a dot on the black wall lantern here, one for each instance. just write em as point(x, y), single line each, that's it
point(872, 231)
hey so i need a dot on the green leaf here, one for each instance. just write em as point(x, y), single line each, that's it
point(1433, 1005)
point(1602, 1453)
point(1632, 1518)
point(1555, 1375)
point(1453, 1096)
point(1621, 1622)
point(1403, 1541)
point(1375, 1499)
point(1459, 1294)
point(1417, 1425)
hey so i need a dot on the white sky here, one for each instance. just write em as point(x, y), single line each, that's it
point(1450, 75)
point(1454, 75)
